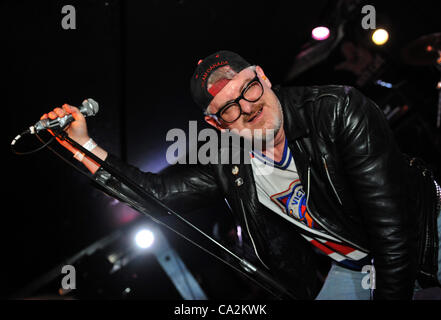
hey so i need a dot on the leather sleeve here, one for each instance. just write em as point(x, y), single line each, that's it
point(182, 187)
point(376, 172)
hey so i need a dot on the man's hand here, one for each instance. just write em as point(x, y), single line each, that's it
point(77, 130)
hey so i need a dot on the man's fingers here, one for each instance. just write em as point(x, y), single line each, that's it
point(67, 108)
point(59, 112)
point(72, 110)
point(43, 116)
point(52, 115)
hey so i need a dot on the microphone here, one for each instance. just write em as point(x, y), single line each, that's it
point(89, 108)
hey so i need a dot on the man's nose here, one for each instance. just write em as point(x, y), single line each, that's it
point(247, 107)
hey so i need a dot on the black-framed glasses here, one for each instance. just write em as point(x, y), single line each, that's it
point(232, 111)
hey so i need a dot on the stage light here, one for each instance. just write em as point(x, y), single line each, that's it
point(144, 238)
point(380, 37)
point(320, 33)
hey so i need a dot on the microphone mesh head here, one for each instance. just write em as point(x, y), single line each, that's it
point(91, 107)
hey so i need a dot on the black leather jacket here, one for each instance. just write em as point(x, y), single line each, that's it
point(359, 187)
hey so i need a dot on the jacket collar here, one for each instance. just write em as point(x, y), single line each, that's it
point(291, 100)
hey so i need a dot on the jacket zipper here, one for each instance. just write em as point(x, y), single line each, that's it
point(249, 233)
point(321, 224)
point(330, 181)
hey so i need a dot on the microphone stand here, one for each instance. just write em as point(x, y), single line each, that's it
point(278, 290)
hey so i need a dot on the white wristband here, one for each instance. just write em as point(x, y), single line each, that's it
point(89, 146)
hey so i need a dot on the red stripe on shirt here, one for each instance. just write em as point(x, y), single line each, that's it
point(345, 250)
point(321, 247)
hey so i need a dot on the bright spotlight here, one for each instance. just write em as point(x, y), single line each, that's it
point(380, 37)
point(320, 33)
point(144, 238)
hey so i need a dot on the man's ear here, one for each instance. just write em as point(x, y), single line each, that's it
point(213, 122)
point(262, 75)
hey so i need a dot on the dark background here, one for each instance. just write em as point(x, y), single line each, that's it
point(136, 58)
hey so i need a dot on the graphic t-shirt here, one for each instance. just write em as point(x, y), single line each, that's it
point(279, 189)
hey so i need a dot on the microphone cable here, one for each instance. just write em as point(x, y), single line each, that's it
point(26, 132)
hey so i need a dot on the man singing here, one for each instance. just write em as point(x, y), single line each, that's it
point(332, 182)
